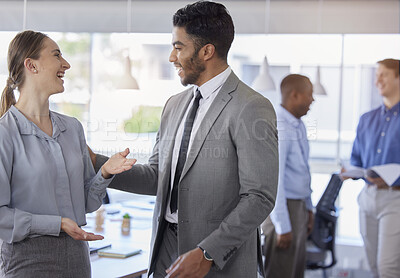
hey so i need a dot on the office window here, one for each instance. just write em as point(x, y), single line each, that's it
point(129, 118)
point(114, 119)
point(75, 99)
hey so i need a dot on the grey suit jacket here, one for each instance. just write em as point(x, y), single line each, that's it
point(229, 182)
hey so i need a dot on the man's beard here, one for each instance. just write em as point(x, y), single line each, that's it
point(195, 67)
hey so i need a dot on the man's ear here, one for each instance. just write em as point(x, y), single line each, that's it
point(208, 51)
point(30, 65)
point(294, 94)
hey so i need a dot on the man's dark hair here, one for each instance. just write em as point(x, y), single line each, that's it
point(207, 22)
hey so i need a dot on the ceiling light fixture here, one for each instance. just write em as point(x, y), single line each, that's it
point(128, 82)
point(318, 89)
point(264, 82)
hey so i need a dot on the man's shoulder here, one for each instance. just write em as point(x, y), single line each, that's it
point(246, 96)
point(238, 88)
point(285, 118)
point(178, 100)
point(187, 93)
point(368, 116)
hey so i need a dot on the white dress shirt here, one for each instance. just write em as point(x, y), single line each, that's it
point(209, 91)
point(294, 171)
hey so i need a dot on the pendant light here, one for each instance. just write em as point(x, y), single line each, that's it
point(128, 82)
point(264, 82)
point(318, 89)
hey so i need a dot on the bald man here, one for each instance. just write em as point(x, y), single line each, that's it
point(288, 225)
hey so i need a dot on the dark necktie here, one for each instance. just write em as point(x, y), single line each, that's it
point(184, 150)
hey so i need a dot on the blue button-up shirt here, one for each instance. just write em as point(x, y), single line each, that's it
point(378, 138)
point(294, 171)
point(44, 178)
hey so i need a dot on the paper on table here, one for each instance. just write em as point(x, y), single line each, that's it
point(94, 248)
point(118, 252)
point(388, 172)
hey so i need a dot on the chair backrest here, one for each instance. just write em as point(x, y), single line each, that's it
point(328, 198)
point(324, 231)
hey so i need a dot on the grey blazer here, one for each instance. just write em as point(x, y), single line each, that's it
point(229, 182)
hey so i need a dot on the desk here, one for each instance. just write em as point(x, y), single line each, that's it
point(139, 237)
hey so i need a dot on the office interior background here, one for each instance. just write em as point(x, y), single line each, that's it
point(106, 40)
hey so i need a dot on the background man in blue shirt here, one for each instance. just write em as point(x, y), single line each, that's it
point(378, 143)
point(291, 220)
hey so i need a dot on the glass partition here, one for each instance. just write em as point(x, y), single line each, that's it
point(116, 118)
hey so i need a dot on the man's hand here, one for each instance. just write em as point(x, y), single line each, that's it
point(379, 182)
point(310, 223)
point(70, 227)
point(191, 265)
point(284, 240)
point(343, 170)
point(118, 163)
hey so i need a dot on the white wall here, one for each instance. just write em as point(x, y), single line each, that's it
point(291, 16)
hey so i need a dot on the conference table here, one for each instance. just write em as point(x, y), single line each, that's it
point(138, 238)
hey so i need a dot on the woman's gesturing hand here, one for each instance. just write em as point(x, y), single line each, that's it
point(71, 228)
point(118, 163)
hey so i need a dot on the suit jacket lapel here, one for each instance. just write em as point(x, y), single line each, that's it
point(172, 128)
point(176, 118)
point(219, 103)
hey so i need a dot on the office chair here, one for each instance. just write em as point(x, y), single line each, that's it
point(321, 241)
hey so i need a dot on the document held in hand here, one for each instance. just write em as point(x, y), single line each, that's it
point(388, 172)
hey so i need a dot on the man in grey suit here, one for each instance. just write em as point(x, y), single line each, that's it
point(214, 166)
